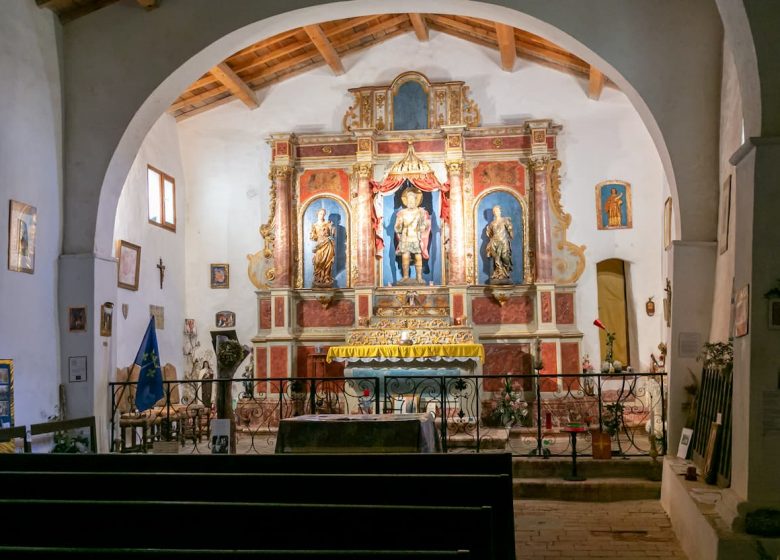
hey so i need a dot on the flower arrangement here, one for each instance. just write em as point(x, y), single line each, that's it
point(230, 353)
point(511, 407)
point(717, 355)
point(609, 358)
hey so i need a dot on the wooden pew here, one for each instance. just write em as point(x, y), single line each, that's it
point(190, 554)
point(240, 526)
point(16, 432)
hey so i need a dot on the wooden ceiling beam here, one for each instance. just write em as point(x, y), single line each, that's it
point(373, 30)
point(348, 25)
point(595, 83)
point(420, 28)
point(235, 85)
point(325, 48)
point(506, 46)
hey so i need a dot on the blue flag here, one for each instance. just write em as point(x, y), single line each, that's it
point(150, 383)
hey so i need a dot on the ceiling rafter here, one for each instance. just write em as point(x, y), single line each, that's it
point(595, 83)
point(506, 46)
point(235, 85)
point(325, 48)
point(419, 25)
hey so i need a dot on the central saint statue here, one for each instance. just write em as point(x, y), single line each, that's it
point(412, 233)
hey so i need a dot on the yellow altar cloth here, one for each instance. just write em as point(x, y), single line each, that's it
point(408, 352)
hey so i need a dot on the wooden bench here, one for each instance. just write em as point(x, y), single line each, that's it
point(42, 553)
point(239, 526)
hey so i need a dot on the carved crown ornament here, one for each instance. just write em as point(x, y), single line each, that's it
point(446, 103)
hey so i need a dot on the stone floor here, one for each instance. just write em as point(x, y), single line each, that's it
point(631, 529)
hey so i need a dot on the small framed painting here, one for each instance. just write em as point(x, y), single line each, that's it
point(220, 275)
point(129, 256)
point(742, 311)
point(21, 237)
point(225, 319)
point(668, 223)
point(724, 213)
point(613, 205)
point(77, 319)
point(685, 443)
point(106, 318)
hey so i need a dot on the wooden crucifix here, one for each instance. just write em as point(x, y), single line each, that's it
point(161, 266)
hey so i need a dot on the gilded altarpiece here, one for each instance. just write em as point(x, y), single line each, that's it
point(343, 193)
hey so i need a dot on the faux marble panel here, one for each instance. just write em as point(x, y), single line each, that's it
point(340, 313)
point(516, 310)
point(550, 362)
point(502, 359)
point(279, 311)
point(546, 298)
point(265, 313)
point(564, 308)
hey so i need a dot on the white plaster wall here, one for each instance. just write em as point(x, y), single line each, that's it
point(730, 140)
point(160, 149)
point(31, 172)
point(226, 165)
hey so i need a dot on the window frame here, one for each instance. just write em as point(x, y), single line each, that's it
point(163, 177)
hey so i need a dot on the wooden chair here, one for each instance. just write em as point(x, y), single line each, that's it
point(16, 432)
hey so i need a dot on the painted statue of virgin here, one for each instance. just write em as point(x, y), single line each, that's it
point(324, 253)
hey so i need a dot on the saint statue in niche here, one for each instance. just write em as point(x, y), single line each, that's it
point(500, 233)
point(613, 207)
point(412, 233)
point(324, 253)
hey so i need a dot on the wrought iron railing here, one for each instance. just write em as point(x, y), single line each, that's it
point(714, 404)
point(467, 410)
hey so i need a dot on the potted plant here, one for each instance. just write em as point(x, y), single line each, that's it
point(613, 421)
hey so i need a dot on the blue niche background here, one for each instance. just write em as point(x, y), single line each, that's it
point(336, 213)
point(391, 264)
point(604, 192)
point(510, 207)
point(410, 107)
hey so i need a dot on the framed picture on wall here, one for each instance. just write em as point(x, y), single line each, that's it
point(668, 223)
point(724, 213)
point(21, 237)
point(77, 319)
point(129, 256)
point(742, 311)
point(220, 276)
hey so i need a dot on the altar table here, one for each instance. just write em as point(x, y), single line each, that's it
point(363, 433)
point(407, 352)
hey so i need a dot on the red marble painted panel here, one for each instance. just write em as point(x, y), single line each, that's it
point(498, 143)
point(304, 366)
point(457, 306)
point(328, 150)
point(329, 181)
point(261, 368)
point(281, 148)
point(550, 362)
point(546, 307)
point(501, 359)
point(279, 361)
point(340, 313)
point(363, 306)
point(551, 142)
point(499, 173)
point(570, 362)
point(421, 147)
point(564, 308)
point(265, 313)
point(279, 311)
point(516, 310)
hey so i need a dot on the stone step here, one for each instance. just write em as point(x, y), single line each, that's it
point(641, 468)
point(590, 490)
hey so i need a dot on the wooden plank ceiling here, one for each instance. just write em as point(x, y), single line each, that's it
point(301, 49)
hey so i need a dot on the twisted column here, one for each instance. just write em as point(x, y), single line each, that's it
point(457, 249)
point(281, 175)
point(543, 235)
point(365, 230)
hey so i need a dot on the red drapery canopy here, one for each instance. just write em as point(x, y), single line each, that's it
point(425, 182)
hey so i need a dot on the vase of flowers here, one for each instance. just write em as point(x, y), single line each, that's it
point(511, 407)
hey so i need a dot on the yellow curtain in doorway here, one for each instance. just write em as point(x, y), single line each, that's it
point(611, 282)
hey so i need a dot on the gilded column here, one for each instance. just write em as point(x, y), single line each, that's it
point(365, 230)
point(457, 249)
point(281, 175)
point(542, 231)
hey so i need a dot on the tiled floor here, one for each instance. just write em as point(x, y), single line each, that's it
point(632, 529)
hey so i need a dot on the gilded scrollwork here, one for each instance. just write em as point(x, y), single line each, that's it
point(351, 118)
point(555, 193)
point(471, 115)
point(366, 111)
